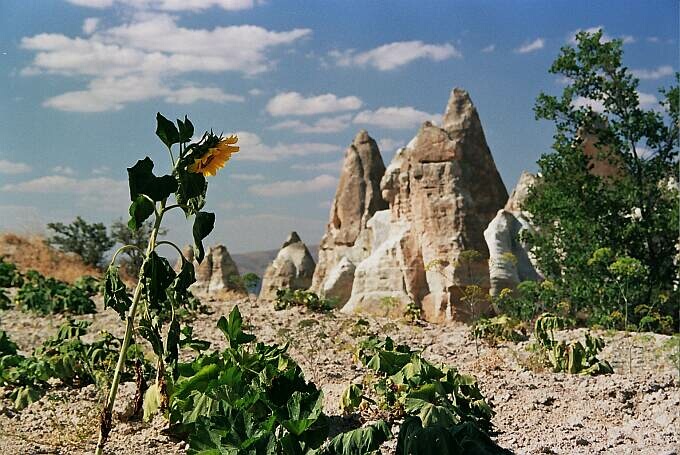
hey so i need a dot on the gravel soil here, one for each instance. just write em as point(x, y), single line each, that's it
point(538, 412)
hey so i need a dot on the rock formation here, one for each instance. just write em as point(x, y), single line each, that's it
point(509, 258)
point(217, 272)
point(442, 189)
point(292, 268)
point(357, 198)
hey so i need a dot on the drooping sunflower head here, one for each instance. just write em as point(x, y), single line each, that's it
point(215, 157)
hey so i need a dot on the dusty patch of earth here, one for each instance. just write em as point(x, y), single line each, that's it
point(538, 412)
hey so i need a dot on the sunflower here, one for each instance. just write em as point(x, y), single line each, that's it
point(215, 158)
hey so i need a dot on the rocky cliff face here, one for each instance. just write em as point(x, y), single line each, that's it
point(357, 198)
point(292, 268)
point(442, 189)
point(509, 259)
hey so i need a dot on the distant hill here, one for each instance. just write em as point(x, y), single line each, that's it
point(257, 261)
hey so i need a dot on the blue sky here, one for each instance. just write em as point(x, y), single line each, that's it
point(83, 79)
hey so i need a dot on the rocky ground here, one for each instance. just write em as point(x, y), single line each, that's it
point(538, 412)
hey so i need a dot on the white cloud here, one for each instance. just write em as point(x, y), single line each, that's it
point(229, 205)
point(656, 73)
point(63, 170)
point(489, 48)
point(387, 144)
point(100, 170)
point(393, 117)
point(653, 39)
point(247, 177)
point(333, 166)
point(90, 25)
point(393, 55)
point(13, 167)
point(253, 149)
point(94, 192)
point(190, 94)
point(293, 103)
point(538, 43)
point(571, 38)
point(292, 187)
point(322, 125)
point(170, 5)
point(255, 92)
point(143, 59)
point(595, 105)
point(648, 101)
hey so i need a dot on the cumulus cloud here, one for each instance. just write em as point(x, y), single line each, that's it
point(648, 101)
point(571, 38)
point(393, 117)
point(322, 125)
point(489, 48)
point(144, 58)
point(653, 74)
point(292, 187)
point(393, 55)
point(532, 46)
point(246, 177)
point(293, 103)
point(63, 170)
point(253, 149)
point(170, 5)
point(387, 144)
point(90, 25)
point(13, 167)
point(94, 192)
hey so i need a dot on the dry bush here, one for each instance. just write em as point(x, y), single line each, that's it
point(32, 252)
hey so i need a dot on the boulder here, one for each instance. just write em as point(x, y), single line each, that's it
point(442, 190)
point(357, 198)
point(292, 268)
point(510, 261)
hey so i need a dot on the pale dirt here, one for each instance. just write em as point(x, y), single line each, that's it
point(538, 412)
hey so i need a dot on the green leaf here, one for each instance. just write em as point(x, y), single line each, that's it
point(186, 129)
point(231, 328)
point(203, 225)
point(115, 292)
point(140, 209)
point(429, 413)
point(143, 181)
point(166, 131)
point(191, 190)
point(157, 275)
point(361, 441)
point(351, 398)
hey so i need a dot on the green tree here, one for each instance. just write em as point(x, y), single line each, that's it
point(88, 240)
point(121, 233)
point(633, 211)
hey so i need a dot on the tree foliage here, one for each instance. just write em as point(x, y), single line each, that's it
point(633, 209)
point(121, 233)
point(90, 241)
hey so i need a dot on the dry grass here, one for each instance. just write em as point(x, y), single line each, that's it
point(32, 252)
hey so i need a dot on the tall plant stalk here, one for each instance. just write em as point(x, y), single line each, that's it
point(107, 412)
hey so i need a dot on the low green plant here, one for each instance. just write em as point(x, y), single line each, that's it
point(64, 357)
point(499, 328)
point(413, 312)
point(10, 277)
point(443, 411)
point(287, 297)
point(248, 398)
point(572, 358)
point(45, 295)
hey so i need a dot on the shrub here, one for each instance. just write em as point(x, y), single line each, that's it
point(10, 276)
point(287, 297)
point(50, 296)
point(88, 240)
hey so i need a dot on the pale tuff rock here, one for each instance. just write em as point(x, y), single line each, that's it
point(356, 200)
point(292, 268)
point(443, 189)
point(510, 261)
point(217, 272)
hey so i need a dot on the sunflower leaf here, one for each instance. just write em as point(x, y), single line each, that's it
point(142, 181)
point(140, 209)
point(186, 129)
point(166, 131)
point(203, 225)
